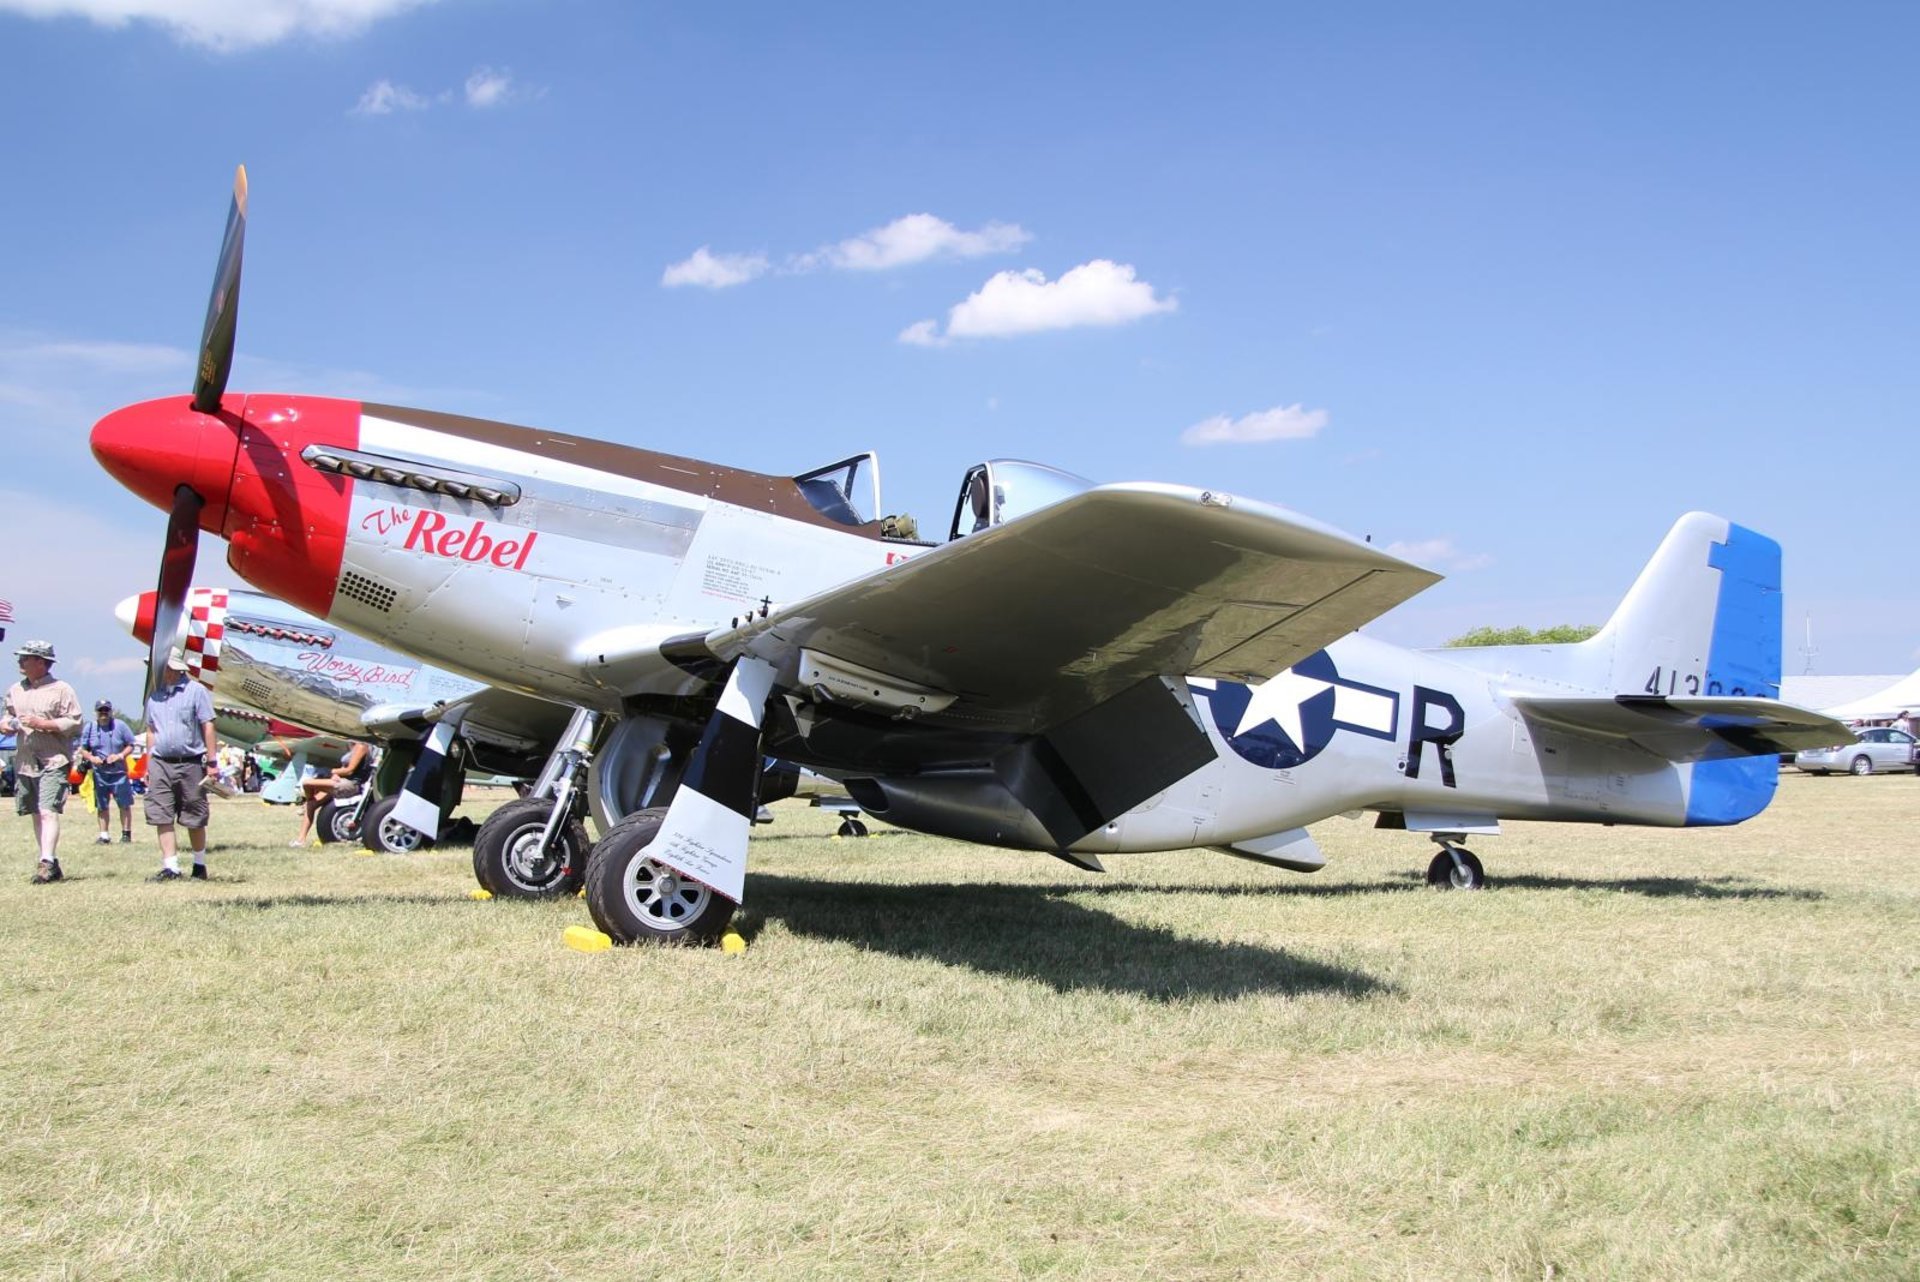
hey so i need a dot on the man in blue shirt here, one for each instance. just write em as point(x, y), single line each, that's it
point(105, 744)
point(181, 757)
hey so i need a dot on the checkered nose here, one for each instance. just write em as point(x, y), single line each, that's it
point(203, 626)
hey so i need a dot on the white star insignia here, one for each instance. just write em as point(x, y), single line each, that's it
point(1278, 699)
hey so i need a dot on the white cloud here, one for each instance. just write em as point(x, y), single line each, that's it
point(924, 333)
point(485, 89)
point(709, 270)
point(1101, 292)
point(88, 667)
point(489, 88)
point(1281, 423)
point(1438, 554)
point(383, 98)
point(914, 238)
point(225, 26)
point(64, 385)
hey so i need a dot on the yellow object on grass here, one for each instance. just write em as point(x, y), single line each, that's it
point(479, 892)
point(585, 939)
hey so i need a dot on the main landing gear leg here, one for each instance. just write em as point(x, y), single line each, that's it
point(1455, 867)
point(536, 846)
point(676, 874)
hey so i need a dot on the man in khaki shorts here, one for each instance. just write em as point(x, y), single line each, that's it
point(181, 756)
point(43, 713)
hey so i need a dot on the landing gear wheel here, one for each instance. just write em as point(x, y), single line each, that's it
point(338, 821)
point(632, 898)
point(1444, 874)
point(508, 861)
point(852, 828)
point(1862, 765)
point(381, 833)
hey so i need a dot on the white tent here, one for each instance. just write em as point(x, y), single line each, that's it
point(1902, 696)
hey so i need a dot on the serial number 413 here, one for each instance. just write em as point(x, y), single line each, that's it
point(1674, 682)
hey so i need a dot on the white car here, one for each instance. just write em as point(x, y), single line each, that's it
point(1880, 748)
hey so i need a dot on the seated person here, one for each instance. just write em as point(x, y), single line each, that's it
point(342, 782)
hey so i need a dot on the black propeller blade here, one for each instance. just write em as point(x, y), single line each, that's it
point(176, 579)
point(209, 385)
point(223, 307)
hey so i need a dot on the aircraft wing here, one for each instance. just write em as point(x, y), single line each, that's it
point(1058, 611)
point(1699, 729)
point(511, 728)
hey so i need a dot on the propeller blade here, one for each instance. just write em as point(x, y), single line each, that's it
point(176, 577)
point(223, 308)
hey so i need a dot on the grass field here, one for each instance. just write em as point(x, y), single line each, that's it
point(1642, 1054)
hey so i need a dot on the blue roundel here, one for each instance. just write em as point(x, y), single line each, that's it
point(1265, 743)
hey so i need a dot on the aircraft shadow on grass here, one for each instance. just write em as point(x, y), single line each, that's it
point(1663, 887)
point(277, 902)
point(876, 834)
point(1038, 933)
point(1409, 882)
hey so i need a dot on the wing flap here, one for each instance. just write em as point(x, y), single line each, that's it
point(1699, 729)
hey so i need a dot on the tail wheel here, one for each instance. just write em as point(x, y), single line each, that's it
point(382, 833)
point(508, 861)
point(339, 821)
point(1444, 873)
point(634, 898)
point(1862, 765)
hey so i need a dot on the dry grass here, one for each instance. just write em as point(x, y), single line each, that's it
point(1643, 1054)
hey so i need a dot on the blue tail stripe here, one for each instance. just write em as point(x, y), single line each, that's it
point(1743, 659)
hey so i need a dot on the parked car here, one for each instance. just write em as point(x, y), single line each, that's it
point(1880, 748)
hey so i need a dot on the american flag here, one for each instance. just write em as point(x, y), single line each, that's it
point(6, 612)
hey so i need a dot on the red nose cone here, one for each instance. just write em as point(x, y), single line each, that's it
point(156, 446)
point(143, 617)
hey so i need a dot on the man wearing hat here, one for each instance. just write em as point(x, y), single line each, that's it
point(105, 745)
point(43, 713)
point(181, 751)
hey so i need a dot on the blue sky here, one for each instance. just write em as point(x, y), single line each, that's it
point(1508, 285)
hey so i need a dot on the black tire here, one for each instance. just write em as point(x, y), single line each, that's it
point(1862, 765)
point(634, 899)
point(503, 858)
point(380, 833)
point(852, 828)
point(1444, 874)
point(338, 821)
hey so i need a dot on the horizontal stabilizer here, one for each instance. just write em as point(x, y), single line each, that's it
point(1699, 729)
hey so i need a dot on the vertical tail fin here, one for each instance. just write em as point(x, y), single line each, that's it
point(1703, 618)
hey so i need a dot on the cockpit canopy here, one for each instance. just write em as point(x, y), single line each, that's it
point(999, 490)
point(847, 491)
point(993, 493)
